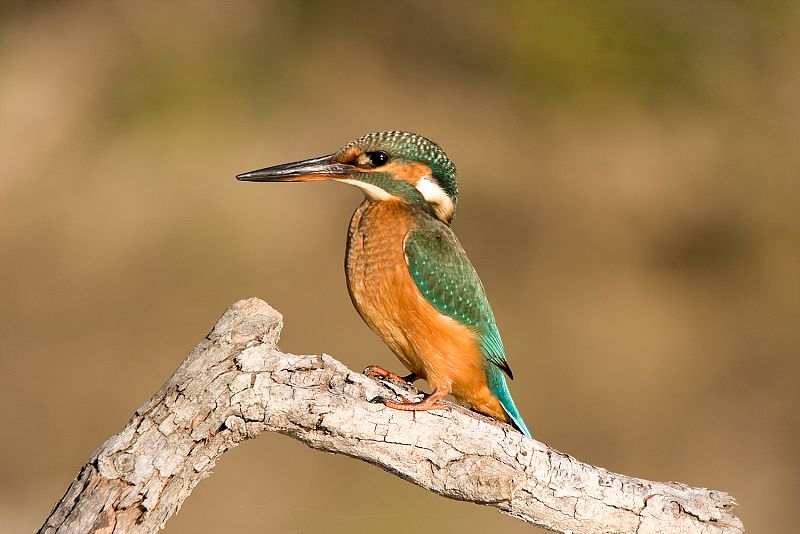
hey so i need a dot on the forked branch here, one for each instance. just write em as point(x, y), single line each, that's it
point(236, 384)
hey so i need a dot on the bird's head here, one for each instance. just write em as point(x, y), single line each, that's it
point(386, 166)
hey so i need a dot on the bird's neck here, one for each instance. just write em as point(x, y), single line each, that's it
point(381, 187)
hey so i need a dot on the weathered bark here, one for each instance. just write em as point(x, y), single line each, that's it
point(236, 384)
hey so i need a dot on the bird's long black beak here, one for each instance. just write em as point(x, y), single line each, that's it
point(323, 168)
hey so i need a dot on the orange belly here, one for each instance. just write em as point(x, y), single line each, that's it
point(431, 345)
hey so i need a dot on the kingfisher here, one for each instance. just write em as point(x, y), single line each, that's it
point(407, 274)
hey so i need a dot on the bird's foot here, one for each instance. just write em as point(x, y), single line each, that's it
point(431, 402)
point(376, 371)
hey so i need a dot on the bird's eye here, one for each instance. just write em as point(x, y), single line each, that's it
point(378, 158)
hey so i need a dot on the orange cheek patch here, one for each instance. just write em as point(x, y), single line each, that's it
point(410, 172)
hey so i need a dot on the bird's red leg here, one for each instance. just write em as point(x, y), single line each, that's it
point(374, 370)
point(431, 402)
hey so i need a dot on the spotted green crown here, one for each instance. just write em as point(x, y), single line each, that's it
point(413, 147)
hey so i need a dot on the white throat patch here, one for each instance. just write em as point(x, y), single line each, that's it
point(433, 193)
point(373, 192)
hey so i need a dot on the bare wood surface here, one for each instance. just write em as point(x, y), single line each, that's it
point(236, 384)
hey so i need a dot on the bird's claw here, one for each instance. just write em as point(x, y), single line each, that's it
point(408, 406)
point(431, 402)
point(375, 371)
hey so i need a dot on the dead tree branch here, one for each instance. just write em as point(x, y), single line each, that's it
point(236, 384)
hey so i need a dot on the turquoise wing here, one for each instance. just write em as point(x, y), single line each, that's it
point(446, 278)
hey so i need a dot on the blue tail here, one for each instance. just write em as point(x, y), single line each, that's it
point(497, 384)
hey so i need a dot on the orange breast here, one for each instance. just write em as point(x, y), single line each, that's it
point(431, 345)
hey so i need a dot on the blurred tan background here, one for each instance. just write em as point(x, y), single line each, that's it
point(630, 189)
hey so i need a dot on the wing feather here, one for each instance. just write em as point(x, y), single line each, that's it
point(446, 278)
